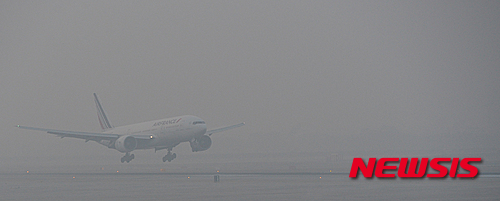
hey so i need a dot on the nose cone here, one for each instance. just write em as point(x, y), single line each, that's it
point(203, 128)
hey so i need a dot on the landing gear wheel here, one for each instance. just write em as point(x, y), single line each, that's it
point(127, 158)
point(169, 157)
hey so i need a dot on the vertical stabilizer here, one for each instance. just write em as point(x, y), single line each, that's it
point(103, 119)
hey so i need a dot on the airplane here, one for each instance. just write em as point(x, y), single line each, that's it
point(158, 134)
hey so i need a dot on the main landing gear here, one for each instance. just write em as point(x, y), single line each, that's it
point(128, 157)
point(169, 157)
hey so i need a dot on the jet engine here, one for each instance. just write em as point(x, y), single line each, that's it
point(125, 143)
point(200, 143)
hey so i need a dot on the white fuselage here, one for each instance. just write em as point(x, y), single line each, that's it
point(164, 132)
point(159, 134)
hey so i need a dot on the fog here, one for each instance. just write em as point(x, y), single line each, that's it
point(336, 77)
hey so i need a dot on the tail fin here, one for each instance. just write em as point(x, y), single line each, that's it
point(103, 119)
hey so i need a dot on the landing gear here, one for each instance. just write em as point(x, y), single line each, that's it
point(128, 157)
point(169, 157)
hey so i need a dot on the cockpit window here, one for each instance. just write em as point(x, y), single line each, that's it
point(198, 122)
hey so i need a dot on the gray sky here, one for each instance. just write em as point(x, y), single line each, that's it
point(348, 76)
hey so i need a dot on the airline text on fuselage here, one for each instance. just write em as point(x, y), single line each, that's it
point(166, 122)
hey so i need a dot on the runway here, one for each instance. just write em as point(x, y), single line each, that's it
point(239, 186)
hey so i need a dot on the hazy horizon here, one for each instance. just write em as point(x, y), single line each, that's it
point(355, 77)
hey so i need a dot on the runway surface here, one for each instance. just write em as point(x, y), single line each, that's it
point(238, 186)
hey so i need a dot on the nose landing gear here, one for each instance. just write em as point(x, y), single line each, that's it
point(128, 157)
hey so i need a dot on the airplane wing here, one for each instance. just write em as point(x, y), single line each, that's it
point(75, 134)
point(85, 135)
point(210, 132)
